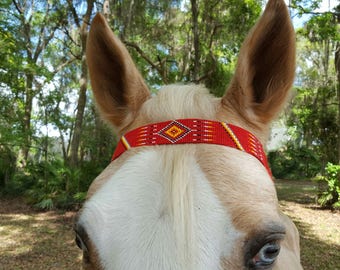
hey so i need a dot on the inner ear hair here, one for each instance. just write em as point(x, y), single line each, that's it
point(118, 87)
point(266, 67)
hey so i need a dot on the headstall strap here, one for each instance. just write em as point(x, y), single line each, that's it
point(186, 131)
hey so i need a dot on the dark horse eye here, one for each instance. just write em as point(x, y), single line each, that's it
point(266, 256)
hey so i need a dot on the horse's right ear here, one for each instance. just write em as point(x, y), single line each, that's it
point(118, 87)
point(266, 67)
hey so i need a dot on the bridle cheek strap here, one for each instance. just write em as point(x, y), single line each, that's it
point(187, 131)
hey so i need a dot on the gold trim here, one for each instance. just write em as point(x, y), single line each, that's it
point(233, 136)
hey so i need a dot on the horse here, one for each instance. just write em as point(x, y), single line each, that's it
point(189, 186)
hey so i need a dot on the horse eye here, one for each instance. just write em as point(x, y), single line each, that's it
point(266, 256)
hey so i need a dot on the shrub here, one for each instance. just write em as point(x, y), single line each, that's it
point(7, 165)
point(292, 162)
point(331, 196)
point(52, 184)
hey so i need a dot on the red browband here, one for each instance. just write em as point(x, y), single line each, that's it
point(184, 131)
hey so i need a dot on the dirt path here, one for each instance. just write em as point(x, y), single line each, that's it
point(34, 240)
point(319, 235)
point(319, 228)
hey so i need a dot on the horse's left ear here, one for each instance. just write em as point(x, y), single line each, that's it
point(118, 87)
point(266, 67)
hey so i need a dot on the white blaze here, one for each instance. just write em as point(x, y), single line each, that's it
point(128, 219)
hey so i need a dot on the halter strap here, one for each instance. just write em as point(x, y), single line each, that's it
point(186, 131)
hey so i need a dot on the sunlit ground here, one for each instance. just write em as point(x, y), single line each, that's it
point(319, 229)
point(33, 240)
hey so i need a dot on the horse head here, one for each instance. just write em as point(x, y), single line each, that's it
point(189, 186)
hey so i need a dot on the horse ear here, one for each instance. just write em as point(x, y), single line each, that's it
point(118, 87)
point(266, 67)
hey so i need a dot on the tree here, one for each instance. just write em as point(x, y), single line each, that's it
point(337, 68)
point(37, 24)
point(44, 100)
point(321, 36)
point(174, 41)
point(313, 120)
point(83, 29)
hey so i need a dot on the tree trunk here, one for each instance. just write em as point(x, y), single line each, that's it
point(104, 141)
point(33, 50)
point(195, 13)
point(337, 68)
point(74, 157)
point(27, 117)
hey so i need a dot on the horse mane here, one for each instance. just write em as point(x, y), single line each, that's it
point(179, 188)
point(180, 101)
point(175, 102)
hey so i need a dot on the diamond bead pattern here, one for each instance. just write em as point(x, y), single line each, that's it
point(174, 131)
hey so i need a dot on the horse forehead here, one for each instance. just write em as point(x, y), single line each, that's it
point(227, 169)
point(241, 183)
point(136, 190)
point(239, 180)
point(233, 191)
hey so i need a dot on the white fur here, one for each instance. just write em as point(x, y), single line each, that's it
point(132, 226)
point(180, 101)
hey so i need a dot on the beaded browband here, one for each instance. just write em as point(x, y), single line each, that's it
point(186, 131)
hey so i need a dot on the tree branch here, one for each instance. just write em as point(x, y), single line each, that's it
point(40, 45)
point(64, 64)
point(304, 11)
point(43, 44)
point(74, 13)
point(146, 58)
point(18, 8)
point(203, 77)
point(67, 33)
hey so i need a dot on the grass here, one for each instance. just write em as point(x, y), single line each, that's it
point(34, 240)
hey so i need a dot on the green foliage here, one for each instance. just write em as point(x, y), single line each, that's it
point(331, 196)
point(311, 121)
point(17, 184)
point(163, 34)
point(7, 164)
point(159, 36)
point(52, 184)
point(305, 6)
point(321, 28)
point(294, 162)
point(45, 204)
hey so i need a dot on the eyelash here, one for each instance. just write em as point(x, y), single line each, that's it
point(265, 256)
